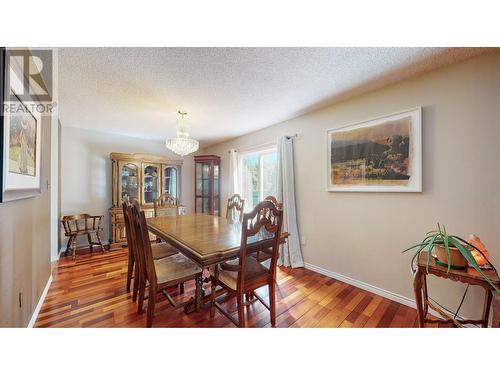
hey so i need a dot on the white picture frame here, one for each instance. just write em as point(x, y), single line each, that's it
point(354, 171)
point(18, 185)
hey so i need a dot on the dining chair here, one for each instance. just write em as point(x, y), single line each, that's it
point(265, 253)
point(158, 274)
point(159, 250)
point(165, 205)
point(82, 225)
point(274, 200)
point(235, 205)
point(261, 228)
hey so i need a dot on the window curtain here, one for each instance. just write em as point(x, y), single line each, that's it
point(233, 177)
point(290, 252)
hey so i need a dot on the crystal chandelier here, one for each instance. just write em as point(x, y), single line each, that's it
point(182, 144)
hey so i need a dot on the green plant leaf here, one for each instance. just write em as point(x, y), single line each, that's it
point(467, 254)
point(430, 247)
point(423, 244)
point(412, 262)
point(447, 249)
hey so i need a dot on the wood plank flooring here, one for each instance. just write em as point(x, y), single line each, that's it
point(90, 292)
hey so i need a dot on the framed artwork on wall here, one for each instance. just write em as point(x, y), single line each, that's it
point(20, 139)
point(379, 155)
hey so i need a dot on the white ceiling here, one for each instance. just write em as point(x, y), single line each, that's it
point(226, 91)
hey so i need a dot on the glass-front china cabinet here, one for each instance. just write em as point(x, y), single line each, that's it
point(129, 184)
point(207, 186)
point(150, 181)
point(143, 177)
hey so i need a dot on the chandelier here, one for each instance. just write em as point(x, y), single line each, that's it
point(182, 144)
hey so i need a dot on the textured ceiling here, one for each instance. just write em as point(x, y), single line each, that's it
point(226, 91)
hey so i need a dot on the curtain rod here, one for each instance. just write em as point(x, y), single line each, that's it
point(264, 145)
point(257, 147)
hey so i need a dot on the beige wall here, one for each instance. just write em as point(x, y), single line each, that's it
point(361, 235)
point(25, 248)
point(86, 171)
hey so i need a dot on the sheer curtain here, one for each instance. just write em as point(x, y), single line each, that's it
point(233, 176)
point(290, 253)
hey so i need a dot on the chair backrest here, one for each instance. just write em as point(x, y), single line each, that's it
point(274, 200)
point(126, 207)
point(165, 205)
point(235, 206)
point(136, 204)
point(261, 229)
point(143, 246)
point(75, 223)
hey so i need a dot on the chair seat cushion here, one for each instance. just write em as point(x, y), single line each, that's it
point(253, 271)
point(175, 267)
point(162, 250)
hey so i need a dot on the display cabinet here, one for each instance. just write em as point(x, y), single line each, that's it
point(207, 184)
point(129, 183)
point(150, 182)
point(143, 177)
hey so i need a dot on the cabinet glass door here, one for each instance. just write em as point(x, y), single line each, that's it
point(129, 181)
point(203, 177)
point(207, 184)
point(216, 196)
point(150, 183)
point(170, 181)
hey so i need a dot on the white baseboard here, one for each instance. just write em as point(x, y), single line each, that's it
point(38, 307)
point(362, 285)
point(371, 288)
point(56, 258)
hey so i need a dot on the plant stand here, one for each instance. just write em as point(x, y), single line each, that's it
point(469, 276)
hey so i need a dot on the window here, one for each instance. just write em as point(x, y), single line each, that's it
point(258, 176)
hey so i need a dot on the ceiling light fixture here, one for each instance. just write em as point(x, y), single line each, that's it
point(182, 144)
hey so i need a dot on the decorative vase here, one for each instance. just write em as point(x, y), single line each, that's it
point(457, 260)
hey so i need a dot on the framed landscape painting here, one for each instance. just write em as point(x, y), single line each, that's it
point(379, 155)
point(20, 139)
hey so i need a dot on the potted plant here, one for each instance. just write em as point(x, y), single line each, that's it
point(450, 250)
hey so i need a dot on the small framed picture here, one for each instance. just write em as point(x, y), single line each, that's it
point(383, 154)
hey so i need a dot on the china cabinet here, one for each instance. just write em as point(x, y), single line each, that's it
point(143, 177)
point(207, 184)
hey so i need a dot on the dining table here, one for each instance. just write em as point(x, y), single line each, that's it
point(205, 239)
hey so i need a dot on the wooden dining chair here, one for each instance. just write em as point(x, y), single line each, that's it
point(158, 274)
point(82, 225)
point(265, 254)
point(160, 250)
point(165, 205)
point(274, 200)
point(261, 228)
point(235, 206)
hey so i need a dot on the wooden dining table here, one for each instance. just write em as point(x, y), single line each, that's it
point(205, 239)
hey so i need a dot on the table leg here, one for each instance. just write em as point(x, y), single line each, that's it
point(426, 296)
point(201, 296)
point(417, 288)
point(486, 308)
point(199, 292)
point(496, 311)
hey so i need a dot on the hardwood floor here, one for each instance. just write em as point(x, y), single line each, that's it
point(90, 292)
